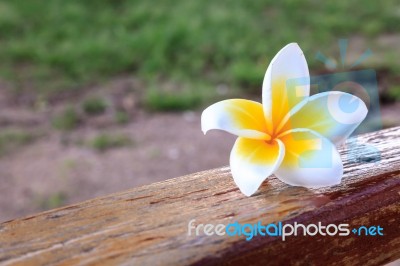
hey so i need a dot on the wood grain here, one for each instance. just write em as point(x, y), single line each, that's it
point(148, 225)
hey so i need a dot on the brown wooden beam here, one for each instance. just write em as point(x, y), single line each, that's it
point(149, 225)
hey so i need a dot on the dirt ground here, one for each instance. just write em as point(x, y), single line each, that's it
point(165, 146)
point(56, 170)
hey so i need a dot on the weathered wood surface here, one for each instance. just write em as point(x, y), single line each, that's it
point(148, 225)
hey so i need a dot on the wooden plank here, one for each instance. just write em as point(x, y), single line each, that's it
point(149, 225)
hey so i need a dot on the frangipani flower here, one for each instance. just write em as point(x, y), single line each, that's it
point(291, 134)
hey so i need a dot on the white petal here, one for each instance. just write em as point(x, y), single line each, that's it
point(334, 115)
point(237, 116)
point(286, 83)
point(252, 161)
point(311, 160)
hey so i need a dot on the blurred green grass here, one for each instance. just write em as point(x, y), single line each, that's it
point(104, 142)
point(59, 45)
point(94, 106)
point(12, 139)
point(67, 120)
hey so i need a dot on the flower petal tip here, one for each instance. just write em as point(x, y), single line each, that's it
point(204, 127)
point(293, 45)
point(248, 189)
point(248, 193)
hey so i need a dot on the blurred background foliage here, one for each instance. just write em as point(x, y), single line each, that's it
point(54, 46)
